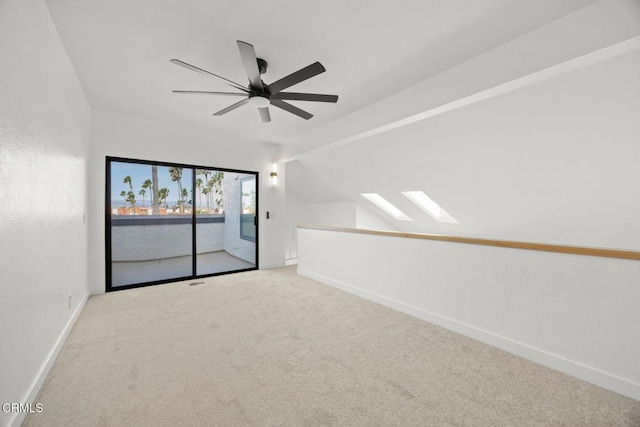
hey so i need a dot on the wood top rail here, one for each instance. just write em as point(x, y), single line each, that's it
point(577, 250)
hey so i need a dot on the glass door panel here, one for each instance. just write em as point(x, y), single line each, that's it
point(218, 244)
point(151, 223)
point(210, 221)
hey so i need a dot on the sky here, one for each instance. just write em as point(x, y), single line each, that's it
point(139, 173)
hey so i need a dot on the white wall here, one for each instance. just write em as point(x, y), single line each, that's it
point(274, 228)
point(338, 214)
point(334, 214)
point(369, 221)
point(297, 211)
point(121, 135)
point(44, 136)
point(578, 314)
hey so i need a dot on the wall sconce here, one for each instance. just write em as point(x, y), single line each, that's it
point(274, 174)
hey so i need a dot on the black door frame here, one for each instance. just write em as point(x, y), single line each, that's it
point(108, 273)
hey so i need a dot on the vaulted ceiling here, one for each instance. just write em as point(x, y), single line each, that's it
point(517, 116)
point(554, 162)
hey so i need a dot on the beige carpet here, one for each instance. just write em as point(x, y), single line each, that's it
point(274, 348)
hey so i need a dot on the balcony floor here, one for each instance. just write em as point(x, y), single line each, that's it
point(130, 272)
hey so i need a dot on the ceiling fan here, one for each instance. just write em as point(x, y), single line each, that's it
point(260, 94)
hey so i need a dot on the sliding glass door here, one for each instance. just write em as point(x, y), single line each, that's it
point(168, 222)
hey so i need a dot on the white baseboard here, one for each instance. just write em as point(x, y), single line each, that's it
point(553, 361)
point(36, 384)
point(272, 265)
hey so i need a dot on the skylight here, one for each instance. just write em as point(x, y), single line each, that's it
point(386, 206)
point(425, 203)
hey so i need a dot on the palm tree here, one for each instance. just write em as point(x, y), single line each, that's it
point(131, 198)
point(142, 192)
point(146, 186)
point(215, 187)
point(127, 180)
point(210, 192)
point(199, 187)
point(185, 196)
point(176, 176)
point(163, 193)
point(123, 194)
point(205, 191)
point(154, 194)
point(206, 173)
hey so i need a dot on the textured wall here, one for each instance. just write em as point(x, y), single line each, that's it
point(233, 244)
point(575, 313)
point(143, 243)
point(44, 136)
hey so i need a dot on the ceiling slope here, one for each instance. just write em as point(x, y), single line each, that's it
point(551, 160)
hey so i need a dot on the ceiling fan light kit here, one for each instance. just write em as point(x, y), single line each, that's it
point(259, 101)
point(260, 94)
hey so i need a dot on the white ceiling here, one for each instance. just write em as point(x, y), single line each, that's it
point(551, 160)
point(121, 49)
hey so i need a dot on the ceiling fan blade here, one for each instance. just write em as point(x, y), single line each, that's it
point(305, 97)
point(264, 114)
point(297, 77)
point(250, 61)
point(200, 92)
point(200, 70)
point(232, 107)
point(291, 108)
